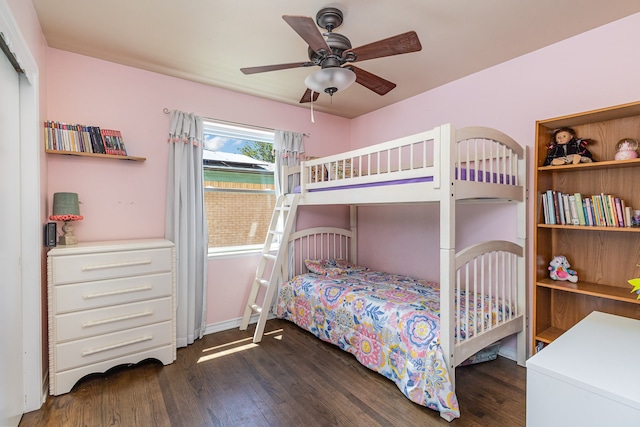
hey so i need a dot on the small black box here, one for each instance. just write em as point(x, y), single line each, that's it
point(50, 234)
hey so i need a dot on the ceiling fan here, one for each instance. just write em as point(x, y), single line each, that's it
point(334, 54)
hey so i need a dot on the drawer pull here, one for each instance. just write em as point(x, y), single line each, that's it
point(117, 319)
point(118, 345)
point(116, 265)
point(117, 292)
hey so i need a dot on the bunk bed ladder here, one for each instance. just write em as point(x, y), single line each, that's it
point(270, 265)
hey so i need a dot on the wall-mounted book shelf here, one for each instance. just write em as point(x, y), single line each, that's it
point(103, 156)
point(85, 141)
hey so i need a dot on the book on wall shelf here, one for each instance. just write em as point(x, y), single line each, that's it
point(113, 143)
point(82, 140)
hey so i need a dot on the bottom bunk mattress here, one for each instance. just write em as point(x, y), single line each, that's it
point(389, 322)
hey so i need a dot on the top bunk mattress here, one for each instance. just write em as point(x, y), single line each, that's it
point(465, 175)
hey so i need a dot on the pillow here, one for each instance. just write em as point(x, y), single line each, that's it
point(331, 267)
point(317, 173)
point(337, 171)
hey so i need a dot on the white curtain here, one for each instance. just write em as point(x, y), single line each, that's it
point(186, 224)
point(289, 148)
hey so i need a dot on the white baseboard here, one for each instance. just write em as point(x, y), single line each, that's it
point(45, 389)
point(508, 352)
point(231, 324)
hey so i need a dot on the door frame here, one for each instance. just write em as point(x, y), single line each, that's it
point(33, 199)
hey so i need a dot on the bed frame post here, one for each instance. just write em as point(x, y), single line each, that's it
point(522, 341)
point(353, 225)
point(444, 138)
point(447, 313)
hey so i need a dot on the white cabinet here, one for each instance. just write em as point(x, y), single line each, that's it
point(589, 376)
point(110, 303)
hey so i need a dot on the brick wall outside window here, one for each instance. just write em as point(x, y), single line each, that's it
point(237, 219)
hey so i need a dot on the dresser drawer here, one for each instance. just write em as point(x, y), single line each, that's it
point(84, 296)
point(110, 346)
point(109, 265)
point(82, 324)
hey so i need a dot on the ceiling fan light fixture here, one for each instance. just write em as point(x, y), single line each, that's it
point(330, 80)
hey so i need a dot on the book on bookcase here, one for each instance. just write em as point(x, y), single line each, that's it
point(574, 210)
point(551, 208)
point(580, 209)
point(588, 209)
point(598, 210)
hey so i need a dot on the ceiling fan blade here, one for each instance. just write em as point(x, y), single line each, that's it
point(372, 82)
point(307, 29)
point(265, 68)
point(307, 96)
point(396, 45)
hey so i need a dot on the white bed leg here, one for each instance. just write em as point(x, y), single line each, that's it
point(521, 345)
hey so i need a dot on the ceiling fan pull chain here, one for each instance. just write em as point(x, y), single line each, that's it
point(313, 120)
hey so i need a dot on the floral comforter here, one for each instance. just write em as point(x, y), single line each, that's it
point(389, 322)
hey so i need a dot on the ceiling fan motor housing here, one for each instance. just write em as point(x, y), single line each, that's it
point(329, 18)
point(338, 44)
point(334, 54)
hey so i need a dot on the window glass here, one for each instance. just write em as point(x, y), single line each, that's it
point(239, 186)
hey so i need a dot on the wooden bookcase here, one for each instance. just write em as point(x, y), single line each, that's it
point(605, 258)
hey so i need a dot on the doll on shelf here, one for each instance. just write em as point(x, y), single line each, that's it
point(565, 148)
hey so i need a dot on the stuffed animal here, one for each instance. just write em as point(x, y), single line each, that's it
point(566, 148)
point(559, 270)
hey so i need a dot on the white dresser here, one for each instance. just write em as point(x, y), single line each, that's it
point(590, 376)
point(110, 303)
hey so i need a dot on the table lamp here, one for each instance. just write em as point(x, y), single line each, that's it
point(66, 208)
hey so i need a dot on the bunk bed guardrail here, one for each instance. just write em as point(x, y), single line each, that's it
point(481, 160)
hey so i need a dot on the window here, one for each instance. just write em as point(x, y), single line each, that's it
point(239, 186)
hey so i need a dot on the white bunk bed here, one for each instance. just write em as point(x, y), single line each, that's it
point(444, 166)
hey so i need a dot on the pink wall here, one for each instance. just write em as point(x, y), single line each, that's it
point(122, 199)
point(592, 70)
point(126, 200)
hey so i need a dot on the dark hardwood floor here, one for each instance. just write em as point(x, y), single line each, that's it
point(290, 379)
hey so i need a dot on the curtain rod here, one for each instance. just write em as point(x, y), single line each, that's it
point(167, 111)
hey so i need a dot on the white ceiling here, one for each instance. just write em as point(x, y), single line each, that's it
point(208, 41)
